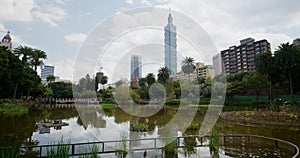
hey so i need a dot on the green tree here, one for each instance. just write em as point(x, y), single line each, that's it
point(188, 65)
point(163, 75)
point(25, 52)
point(16, 78)
point(264, 63)
point(50, 79)
point(287, 58)
point(36, 58)
point(103, 80)
point(142, 82)
point(150, 78)
point(235, 85)
point(62, 90)
point(255, 81)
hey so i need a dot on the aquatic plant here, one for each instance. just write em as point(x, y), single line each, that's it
point(61, 150)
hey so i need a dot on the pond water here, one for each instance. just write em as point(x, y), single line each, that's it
point(112, 124)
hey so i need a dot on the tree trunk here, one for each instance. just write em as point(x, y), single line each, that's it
point(270, 90)
point(15, 92)
point(291, 86)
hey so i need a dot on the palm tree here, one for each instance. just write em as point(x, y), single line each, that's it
point(25, 51)
point(150, 79)
point(287, 58)
point(264, 63)
point(163, 75)
point(188, 65)
point(37, 57)
point(50, 79)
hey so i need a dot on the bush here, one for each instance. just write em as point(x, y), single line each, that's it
point(140, 127)
point(238, 103)
point(193, 126)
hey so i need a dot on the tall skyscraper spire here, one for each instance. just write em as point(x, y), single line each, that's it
point(170, 18)
point(170, 46)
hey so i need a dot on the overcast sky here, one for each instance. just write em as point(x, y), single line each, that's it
point(60, 27)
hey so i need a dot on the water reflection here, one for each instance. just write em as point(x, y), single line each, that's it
point(108, 124)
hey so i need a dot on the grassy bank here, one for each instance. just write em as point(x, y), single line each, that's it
point(107, 105)
point(13, 110)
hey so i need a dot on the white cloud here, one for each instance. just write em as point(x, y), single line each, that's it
point(16, 10)
point(75, 37)
point(49, 14)
point(30, 10)
point(64, 69)
point(2, 28)
point(129, 1)
point(229, 22)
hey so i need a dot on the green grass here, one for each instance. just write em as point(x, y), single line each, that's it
point(107, 105)
point(13, 152)
point(265, 98)
point(13, 110)
point(91, 152)
point(62, 150)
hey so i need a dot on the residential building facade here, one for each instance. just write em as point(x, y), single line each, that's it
point(170, 46)
point(203, 70)
point(241, 58)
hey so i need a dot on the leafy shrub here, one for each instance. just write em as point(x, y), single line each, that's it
point(193, 126)
point(140, 127)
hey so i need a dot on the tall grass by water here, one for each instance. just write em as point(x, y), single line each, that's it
point(13, 152)
point(61, 150)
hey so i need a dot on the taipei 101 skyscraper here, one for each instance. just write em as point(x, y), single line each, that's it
point(170, 46)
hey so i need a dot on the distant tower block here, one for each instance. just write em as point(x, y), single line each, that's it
point(170, 46)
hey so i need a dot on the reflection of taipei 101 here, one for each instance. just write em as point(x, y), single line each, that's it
point(170, 46)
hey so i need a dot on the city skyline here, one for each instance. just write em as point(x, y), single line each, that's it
point(59, 27)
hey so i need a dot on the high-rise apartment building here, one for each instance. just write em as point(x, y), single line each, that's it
point(136, 70)
point(218, 64)
point(136, 67)
point(45, 72)
point(170, 46)
point(241, 58)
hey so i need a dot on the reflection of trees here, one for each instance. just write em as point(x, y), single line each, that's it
point(91, 117)
point(59, 114)
point(19, 129)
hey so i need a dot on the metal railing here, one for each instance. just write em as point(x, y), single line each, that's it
point(227, 140)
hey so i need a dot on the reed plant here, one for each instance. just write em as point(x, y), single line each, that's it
point(61, 150)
